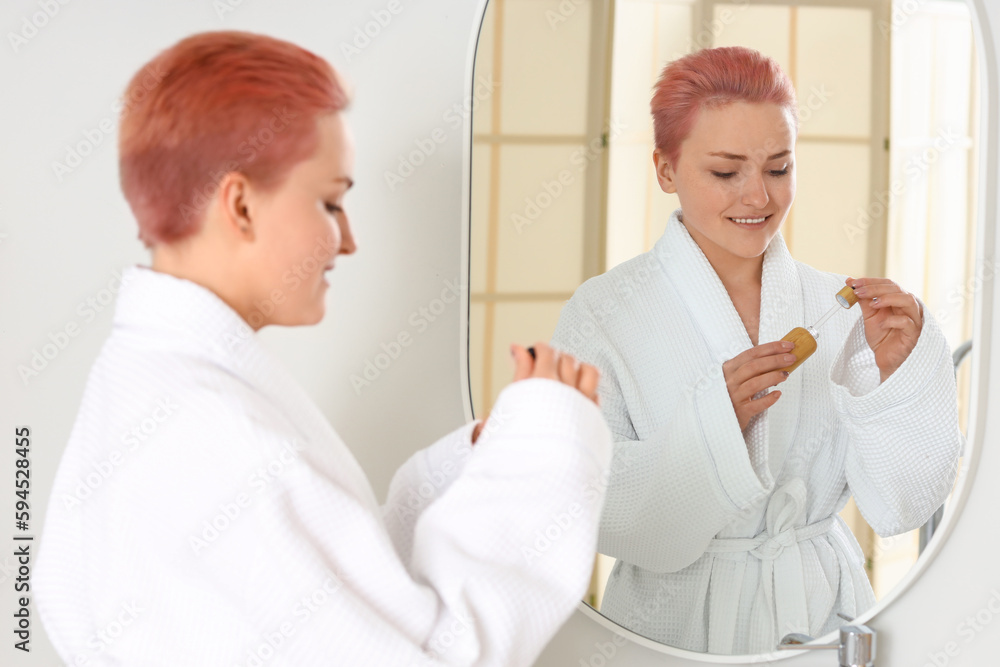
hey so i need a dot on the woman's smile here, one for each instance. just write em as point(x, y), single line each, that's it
point(751, 223)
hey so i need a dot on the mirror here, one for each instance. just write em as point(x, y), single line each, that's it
point(564, 190)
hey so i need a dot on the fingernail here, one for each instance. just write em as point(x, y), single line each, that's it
point(860, 291)
point(785, 373)
point(875, 300)
point(788, 345)
point(789, 358)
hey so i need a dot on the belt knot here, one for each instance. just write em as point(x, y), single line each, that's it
point(775, 544)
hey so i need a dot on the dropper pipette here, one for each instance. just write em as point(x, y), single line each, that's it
point(805, 337)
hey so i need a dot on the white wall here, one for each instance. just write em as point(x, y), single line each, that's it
point(61, 242)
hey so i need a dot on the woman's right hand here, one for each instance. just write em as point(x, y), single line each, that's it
point(755, 370)
point(550, 363)
point(555, 365)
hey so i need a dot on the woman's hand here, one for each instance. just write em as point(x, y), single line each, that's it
point(755, 370)
point(552, 364)
point(892, 321)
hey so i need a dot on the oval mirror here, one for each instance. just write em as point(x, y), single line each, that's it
point(564, 190)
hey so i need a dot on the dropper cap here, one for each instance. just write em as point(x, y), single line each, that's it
point(846, 297)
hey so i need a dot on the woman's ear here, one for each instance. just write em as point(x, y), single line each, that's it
point(664, 172)
point(234, 195)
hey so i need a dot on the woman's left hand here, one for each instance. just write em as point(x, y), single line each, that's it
point(892, 321)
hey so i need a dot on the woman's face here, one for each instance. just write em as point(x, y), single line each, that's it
point(735, 178)
point(300, 229)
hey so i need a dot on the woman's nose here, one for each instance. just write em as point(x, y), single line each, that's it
point(347, 243)
point(755, 193)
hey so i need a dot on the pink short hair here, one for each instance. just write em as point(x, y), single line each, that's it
point(713, 78)
point(213, 103)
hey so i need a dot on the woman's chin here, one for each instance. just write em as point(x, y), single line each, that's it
point(301, 317)
point(748, 251)
point(314, 316)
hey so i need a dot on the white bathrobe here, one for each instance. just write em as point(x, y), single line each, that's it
point(206, 513)
point(726, 544)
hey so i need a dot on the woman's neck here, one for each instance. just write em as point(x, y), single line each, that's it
point(738, 274)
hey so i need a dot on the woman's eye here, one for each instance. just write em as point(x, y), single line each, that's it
point(726, 175)
point(779, 172)
point(333, 208)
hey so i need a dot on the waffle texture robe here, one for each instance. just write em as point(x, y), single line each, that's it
point(206, 513)
point(728, 540)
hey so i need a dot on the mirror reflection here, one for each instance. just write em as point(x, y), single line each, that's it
point(669, 208)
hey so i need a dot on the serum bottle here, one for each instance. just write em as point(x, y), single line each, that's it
point(805, 337)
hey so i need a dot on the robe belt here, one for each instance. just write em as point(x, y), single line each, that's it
point(780, 605)
point(770, 547)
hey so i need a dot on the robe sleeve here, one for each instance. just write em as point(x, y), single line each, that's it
point(511, 543)
point(904, 437)
point(668, 494)
point(498, 562)
point(421, 480)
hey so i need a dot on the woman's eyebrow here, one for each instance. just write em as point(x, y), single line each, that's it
point(346, 179)
point(732, 156)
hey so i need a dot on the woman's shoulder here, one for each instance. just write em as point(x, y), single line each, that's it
point(130, 379)
point(636, 274)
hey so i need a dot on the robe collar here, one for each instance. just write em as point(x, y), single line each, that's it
point(769, 435)
point(168, 311)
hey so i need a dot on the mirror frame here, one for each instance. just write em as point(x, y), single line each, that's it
point(983, 317)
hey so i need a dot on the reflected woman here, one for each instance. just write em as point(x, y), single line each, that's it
point(204, 511)
point(724, 492)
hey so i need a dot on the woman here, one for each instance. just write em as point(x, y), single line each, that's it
point(723, 497)
point(205, 512)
